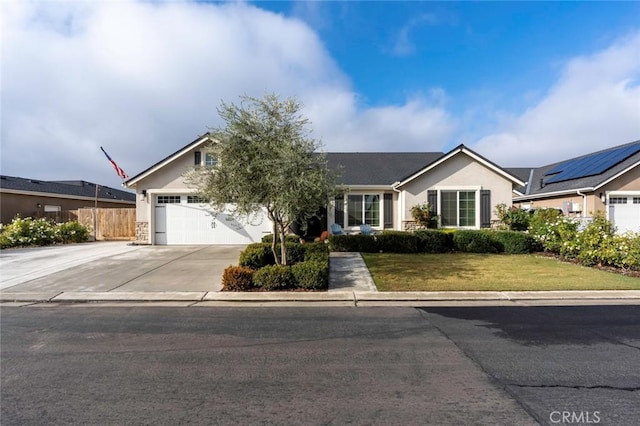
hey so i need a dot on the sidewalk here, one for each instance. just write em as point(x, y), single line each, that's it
point(350, 284)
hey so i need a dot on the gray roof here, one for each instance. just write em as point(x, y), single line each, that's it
point(378, 168)
point(538, 186)
point(77, 188)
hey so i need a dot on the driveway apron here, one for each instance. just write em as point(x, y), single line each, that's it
point(138, 268)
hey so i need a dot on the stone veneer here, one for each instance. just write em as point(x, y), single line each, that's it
point(142, 232)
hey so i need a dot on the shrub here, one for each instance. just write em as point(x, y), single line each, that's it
point(71, 232)
point(316, 251)
point(28, 232)
point(311, 275)
point(514, 242)
point(424, 216)
point(237, 278)
point(359, 243)
point(554, 232)
point(473, 241)
point(289, 238)
point(591, 241)
point(295, 252)
point(397, 242)
point(256, 256)
point(273, 277)
point(513, 218)
point(432, 241)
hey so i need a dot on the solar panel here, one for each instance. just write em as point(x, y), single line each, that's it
point(591, 165)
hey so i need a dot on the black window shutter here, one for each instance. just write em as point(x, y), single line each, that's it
point(339, 210)
point(432, 199)
point(388, 211)
point(197, 158)
point(485, 208)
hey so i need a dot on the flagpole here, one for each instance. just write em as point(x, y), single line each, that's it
point(95, 216)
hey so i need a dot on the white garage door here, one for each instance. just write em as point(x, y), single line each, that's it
point(184, 220)
point(624, 212)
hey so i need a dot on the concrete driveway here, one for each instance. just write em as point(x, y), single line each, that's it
point(115, 267)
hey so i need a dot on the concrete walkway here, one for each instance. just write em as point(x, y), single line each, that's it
point(348, 272)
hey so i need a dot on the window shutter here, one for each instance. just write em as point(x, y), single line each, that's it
point(432, 199)
point(197, 158)
point(339, 210)
point(388, 211)
point(485, 208)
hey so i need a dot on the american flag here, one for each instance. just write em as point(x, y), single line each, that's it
point(119, 171)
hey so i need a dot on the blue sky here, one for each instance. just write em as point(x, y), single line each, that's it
point(522, 83)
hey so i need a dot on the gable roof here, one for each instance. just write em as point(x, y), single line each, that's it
point(464, 150)
point(64, 189)
point(542, 182)
point(199, 141)
point(377, 168)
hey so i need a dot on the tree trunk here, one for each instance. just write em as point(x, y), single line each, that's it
point(275, 236)
point(283, 249)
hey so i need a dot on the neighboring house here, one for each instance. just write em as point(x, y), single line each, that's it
point(463, 186)
point(39, 198)
point(606, 181)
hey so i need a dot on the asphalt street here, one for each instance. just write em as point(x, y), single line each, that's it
point(82, 364)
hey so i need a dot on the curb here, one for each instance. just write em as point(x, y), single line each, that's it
point(334, 296)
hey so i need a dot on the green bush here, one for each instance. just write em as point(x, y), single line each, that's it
point(273, 277)
point(237, 278)
point(316, 251)
point(397, 242)
point(355, 243)
point(513, 242)
point(432, 241)
point(28, 232)
point(513, 218)
point(295, 252)
point(592, 240)
point(311, 275)
point(256, 256)
point(554, 232)
point(289, 238)
point(71, 232)
point(473, 241)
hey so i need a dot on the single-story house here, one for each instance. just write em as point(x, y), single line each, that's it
point(463, 186)
point(39, 198)
point(607, 181)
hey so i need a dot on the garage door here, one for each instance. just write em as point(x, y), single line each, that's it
point(181, 219)
point(624, 212)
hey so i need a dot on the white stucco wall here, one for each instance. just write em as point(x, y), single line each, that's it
point(169, 180)
point(458, 172)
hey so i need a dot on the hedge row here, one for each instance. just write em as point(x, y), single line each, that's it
point(435, 241)
point(22, 232)
point(307, 268)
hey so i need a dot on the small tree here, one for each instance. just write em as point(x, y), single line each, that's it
point(266, 159)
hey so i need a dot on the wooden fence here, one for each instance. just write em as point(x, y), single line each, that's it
point(110, 224)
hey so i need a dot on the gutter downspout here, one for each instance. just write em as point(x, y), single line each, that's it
point(584, 202)
point(400, 204)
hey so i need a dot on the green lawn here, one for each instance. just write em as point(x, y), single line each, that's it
point(489, 272)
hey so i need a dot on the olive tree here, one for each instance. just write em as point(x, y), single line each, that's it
point(267, 160)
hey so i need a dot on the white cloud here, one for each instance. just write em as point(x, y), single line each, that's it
point(143, 79)
point(595, 104)
point(403, 44)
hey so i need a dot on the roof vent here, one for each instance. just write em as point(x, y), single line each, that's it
point(541, 183)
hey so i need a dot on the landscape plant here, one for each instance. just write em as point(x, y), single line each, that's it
point(266, 160)
point(23, 232)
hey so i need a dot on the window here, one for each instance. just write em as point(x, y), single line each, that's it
point(194, 199)
point(50, 209)
point(458, 208)
point(168, 199)
point(210, 160)
point(617, 200)
point(360, 209)
point(636, 200)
